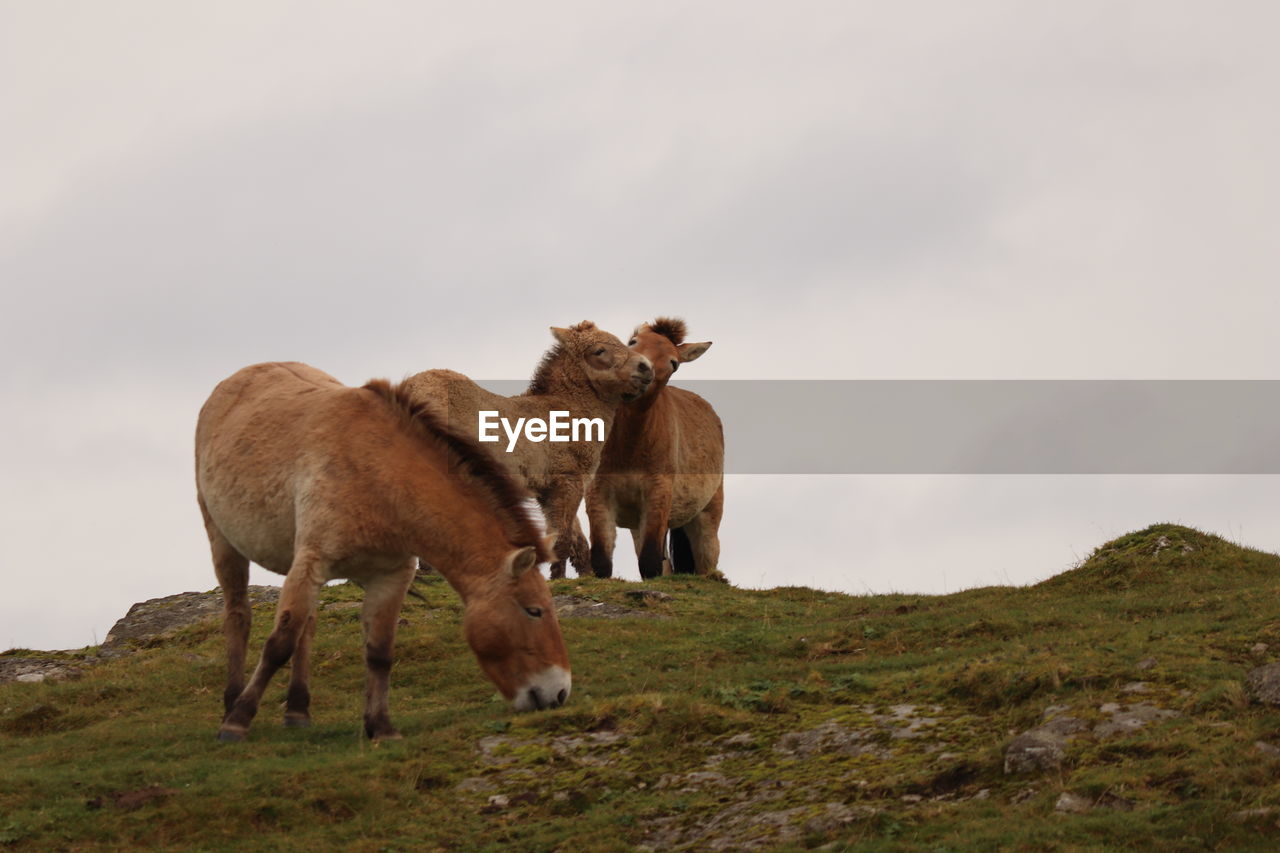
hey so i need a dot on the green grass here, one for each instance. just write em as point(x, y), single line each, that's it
point(719, 686)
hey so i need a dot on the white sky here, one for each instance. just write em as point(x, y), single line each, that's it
point(837, 190)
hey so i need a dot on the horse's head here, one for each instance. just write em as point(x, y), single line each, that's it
point(662, 343)
point(614, 372)
point(510, 624)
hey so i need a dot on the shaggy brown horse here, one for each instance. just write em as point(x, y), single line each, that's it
point(662, 467)
point(587, 373)
point(314, 480)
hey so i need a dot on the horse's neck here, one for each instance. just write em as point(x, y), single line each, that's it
point(642, 422)
point(452, 533)
point(559, 391)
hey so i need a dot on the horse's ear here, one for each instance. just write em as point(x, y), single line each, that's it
point(688, 352)
point(523, 560)
point(559, 334)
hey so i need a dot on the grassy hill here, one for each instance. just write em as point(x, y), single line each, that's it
point(717, 718)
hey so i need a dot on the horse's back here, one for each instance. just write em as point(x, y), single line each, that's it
point(254, 444)
point(700, 455)
point(701, 433)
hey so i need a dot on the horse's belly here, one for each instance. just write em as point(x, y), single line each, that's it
point(261, 535)
point(690, 494)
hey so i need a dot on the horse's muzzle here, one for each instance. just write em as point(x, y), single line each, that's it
point(549, 689)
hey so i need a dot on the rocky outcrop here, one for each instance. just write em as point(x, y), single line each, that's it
point(158, 617)
point(145, 623)
point(1263, 684)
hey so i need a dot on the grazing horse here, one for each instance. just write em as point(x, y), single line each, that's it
point(586, 373)
point(315, 480)
point(662, 467)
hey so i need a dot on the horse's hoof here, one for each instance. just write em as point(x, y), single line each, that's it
point(297, 722)
point(230, 736)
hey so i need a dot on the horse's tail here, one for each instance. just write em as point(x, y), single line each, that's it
point(681, 552)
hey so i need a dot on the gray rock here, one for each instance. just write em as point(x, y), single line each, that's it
point(574, 607)
point(1053, 711)
point(1147, 663)
point(830, 737)
point(1069, 803)
point(1041, 748)
point(836, 815)
point(1259, 648)
point(33, 670)
point(158, 617)
point(1263, 683)
point(1270, 750)
point(1125, 719)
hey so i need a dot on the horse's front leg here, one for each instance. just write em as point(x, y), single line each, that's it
point(297, 607)
point(383, 598)
point(604, 527)
point(561, 508)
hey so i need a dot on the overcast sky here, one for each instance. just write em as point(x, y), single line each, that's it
point(834, 190)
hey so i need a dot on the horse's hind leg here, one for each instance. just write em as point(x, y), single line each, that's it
point(232, 570)
point(383, 598)
point(296, 609)
point(297, 710)
point(704, 536)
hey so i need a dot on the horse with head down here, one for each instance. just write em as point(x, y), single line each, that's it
point(662, 467)
point(315, 480)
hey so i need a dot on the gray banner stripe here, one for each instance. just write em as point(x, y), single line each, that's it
point(993, 426)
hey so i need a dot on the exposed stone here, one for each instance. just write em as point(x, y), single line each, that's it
point(158, 617)
point(32, 670)
point(1053, 711)
point(1264, 683)
point(573, 607)
point(1259, 648)
point(1147, 663)
point(695, 781)
point(1125, 719)
point(476, 785)
point(1041, 748)
point(830, 737)
point(1069, 803)
point(1270, 750)
point(836, 815)
point(1136, 687)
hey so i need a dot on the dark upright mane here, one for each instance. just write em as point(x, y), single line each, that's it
point(671, 328)
point(541, 381)
point(507, 497)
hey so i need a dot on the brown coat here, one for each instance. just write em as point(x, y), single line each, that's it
point(315, 481)
point(587, 373)
point(662, 468)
